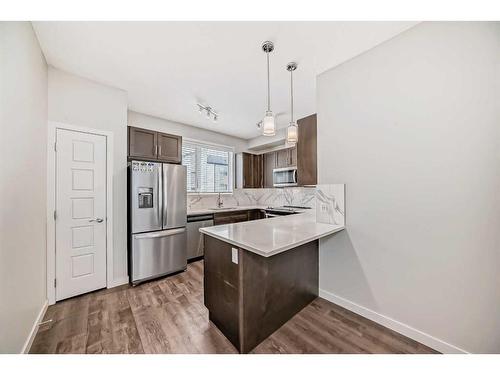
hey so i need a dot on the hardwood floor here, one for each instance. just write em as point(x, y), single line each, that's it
point(168, 316)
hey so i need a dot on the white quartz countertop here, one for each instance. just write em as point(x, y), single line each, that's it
point(205, 211)
point(268, 237)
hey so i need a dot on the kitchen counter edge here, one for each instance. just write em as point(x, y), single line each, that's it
point(333, 228)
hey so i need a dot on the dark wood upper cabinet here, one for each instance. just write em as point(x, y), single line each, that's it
point(249, 171)
point(282, 158)
point(169, 148)
point(307, 163)
point(286, 157)
point(142, 143)
point(293, 156)
point(269, 165)
point(151, 145)
point(303, 156)
point(252, 171)
point(277, 159)
point(258, 167)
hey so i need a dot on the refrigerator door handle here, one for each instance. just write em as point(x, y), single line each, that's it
point(159, 194)
point(165, 197)
point(165, 233)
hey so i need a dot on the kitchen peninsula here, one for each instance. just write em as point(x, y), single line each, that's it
point(258, 274)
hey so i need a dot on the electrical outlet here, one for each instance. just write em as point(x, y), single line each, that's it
point(234, 255)
point(324, 212)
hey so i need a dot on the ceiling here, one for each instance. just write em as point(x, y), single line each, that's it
point(168, 67)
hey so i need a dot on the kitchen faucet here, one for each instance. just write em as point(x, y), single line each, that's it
point(219, 201)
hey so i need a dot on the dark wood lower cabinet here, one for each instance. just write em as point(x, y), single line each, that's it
point(230, 217)
point(251, 299)
point(237, 216)
point(256, 214)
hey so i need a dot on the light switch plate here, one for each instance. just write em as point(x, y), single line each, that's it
point(234, 255)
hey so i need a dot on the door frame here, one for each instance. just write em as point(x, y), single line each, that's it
point(51, 202)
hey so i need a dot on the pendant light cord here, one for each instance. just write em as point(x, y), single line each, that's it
point(268, 85)
point(291, 93)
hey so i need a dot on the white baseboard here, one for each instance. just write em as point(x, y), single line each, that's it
point(118, 282)
point(29, 341)
point(390, 323)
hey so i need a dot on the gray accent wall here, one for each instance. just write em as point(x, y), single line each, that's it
point(412, 127)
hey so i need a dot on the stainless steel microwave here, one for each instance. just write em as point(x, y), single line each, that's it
point(283, 177)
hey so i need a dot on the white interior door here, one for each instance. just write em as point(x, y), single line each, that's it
point(80, 213)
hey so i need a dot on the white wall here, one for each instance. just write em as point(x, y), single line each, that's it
point(78, 101)
point(413, 129)
point(158, 124)
point(23, 119)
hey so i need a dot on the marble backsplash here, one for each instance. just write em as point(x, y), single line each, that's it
point(327, 200)
point(296, 196)
point(330, 204)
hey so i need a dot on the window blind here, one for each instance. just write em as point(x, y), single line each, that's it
point(209, 167)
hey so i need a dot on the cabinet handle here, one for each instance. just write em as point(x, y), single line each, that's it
point(159, 150)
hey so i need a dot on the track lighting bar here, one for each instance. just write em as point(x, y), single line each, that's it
point(208, 111)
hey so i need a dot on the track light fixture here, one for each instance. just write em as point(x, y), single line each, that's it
point(209, 112)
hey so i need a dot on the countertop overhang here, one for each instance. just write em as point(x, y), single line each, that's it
point(268, 237)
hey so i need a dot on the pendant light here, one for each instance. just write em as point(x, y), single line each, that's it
point(292, 132)
point(269, 122)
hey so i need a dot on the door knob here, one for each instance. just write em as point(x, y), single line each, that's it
point(98, 219)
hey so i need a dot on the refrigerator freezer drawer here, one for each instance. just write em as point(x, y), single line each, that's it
point(158, 253)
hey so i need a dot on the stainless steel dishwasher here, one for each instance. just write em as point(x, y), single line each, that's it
point(194, 237)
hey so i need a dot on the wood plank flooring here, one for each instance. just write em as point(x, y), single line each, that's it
point(168, 316)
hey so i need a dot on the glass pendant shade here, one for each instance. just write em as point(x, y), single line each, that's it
point(292, 134)
point(268, 124)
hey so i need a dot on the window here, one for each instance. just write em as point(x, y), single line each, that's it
point(209, 167)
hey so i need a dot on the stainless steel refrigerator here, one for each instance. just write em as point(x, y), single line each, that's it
point(157, 220)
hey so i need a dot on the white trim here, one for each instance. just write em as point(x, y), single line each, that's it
point(117, 282)
point(51, 203)
point(31, 337)
point(390, 323)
